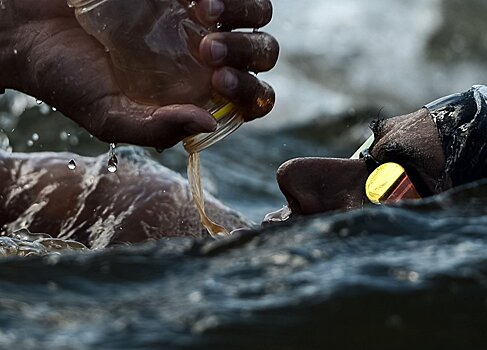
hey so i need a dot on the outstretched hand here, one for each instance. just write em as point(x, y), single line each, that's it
point(57, 62)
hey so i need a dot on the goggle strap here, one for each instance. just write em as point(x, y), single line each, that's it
point(365, 145)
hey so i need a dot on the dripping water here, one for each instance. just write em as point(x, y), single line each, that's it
point(112, 160)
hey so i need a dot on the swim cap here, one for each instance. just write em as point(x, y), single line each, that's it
point(461, 120)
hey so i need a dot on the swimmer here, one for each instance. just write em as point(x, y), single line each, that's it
point(440, 146)
point(45, 53)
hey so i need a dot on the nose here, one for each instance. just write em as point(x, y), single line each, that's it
point(315, 185)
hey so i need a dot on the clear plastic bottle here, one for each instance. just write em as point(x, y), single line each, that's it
point(153, 45)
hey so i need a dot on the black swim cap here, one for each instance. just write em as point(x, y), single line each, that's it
point(461, 120)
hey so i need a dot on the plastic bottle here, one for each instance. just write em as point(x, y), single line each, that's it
point(153, 45)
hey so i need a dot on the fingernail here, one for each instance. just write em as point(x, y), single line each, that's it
point(215, 9)
point(230, 81)
point(218, 51)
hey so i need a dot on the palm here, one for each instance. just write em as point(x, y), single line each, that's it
point(69, 69)
point(80, 59)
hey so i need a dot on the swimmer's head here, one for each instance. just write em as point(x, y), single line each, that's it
point(439, 147)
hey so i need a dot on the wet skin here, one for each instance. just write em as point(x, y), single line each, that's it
point(316, 185)
point(144, 201)
point(50, 57)
point(141, 201)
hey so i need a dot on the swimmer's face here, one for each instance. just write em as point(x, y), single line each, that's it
point(315, 185)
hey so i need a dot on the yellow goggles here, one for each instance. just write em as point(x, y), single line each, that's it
point(387, 183)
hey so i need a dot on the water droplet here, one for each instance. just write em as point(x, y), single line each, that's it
point(54, 109)
point(219, 25)
point(112, 164)
point(35, 137)
point(15, 51)
point(112, 161)
point(63, 135)
point(73, 140)
point(72, 164)
point(44, 109)
point(191, 4)
point(39, 102)
point(30, 143)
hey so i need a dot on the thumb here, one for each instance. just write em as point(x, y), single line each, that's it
point(116, 119)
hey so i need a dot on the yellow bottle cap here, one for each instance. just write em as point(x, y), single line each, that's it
point(383, 181)
point(225, 110)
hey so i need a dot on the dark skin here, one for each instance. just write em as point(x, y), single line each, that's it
point(142, 201)
point(316, 185)
point(52, 58)
point(98, 208)
point(311, 185)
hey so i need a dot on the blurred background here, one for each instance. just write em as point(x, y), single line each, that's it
point(412, 276)
point(342, 64)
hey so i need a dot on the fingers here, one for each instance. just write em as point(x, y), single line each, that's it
point(235, 53)
point(254, 97)
point(235, 13)
point(257, 52)
point(116, 119)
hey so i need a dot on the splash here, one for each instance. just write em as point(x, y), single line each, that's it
point(278, 216)
point(25, 243)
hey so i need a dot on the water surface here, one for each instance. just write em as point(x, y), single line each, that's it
point(383, 278)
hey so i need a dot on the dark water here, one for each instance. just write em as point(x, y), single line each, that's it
point(412, 276)
point(378, 278)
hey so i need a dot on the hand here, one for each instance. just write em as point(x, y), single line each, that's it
point(234, 54)
point(57, 62)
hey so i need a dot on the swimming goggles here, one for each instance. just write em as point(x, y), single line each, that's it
point(387, 182)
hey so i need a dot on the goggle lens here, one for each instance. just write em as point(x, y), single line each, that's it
point(389, 183)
